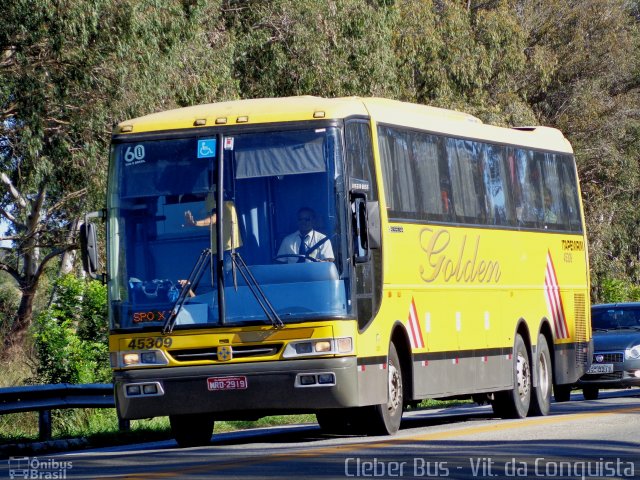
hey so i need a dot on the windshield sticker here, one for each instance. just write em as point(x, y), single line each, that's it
point(207, 148)
point(228, 143)
point(134, 155)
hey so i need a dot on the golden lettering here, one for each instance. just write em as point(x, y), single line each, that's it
point(433, 249)
point(463, 266)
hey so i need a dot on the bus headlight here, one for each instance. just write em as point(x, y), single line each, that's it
point(633, 352)
point(324, 346)
point(143, 358)
point(129, 359)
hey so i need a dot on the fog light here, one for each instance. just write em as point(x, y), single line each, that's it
point(307, 379)
point(150, 389)
point(133, 390)
point(637, 373)
point(326, 378)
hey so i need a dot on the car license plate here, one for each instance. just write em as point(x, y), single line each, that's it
point(226, 383)
point(601, 368)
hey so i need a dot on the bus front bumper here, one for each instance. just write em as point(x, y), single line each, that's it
point(237, 390)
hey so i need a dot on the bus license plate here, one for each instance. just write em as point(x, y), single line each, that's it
point(601, 368)
point(226, 383)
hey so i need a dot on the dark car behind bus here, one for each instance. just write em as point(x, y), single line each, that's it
point(616, 342)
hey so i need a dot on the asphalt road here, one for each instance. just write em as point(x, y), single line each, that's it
point(579, 439)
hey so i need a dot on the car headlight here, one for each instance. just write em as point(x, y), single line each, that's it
point(323, 346)
point(141, 358)
point(633, 352)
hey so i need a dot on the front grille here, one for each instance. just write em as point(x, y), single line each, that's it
point(604, 376)
point(609, 357)
point(211, 353)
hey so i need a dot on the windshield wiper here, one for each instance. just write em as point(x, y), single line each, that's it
point(189, 285)
point(239, 263)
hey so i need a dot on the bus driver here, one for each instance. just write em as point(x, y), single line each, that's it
point(306, 244)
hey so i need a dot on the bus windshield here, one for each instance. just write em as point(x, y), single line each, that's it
point(277, 184)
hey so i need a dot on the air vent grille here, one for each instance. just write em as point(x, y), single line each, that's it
point(580, 315)
point(211, 353)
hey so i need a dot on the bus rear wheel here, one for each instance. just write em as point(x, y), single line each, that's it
point(192, 430)
point(515, 403)
point(385, 419)
point(541, 398)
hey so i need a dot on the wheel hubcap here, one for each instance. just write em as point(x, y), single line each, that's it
point(544, 385)
point(395, 388)
point(524, 377)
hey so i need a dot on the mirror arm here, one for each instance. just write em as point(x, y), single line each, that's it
point(360, 227)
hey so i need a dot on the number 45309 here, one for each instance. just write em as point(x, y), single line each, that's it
point(149, 342)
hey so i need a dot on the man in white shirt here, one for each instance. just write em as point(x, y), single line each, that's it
point(306, 244)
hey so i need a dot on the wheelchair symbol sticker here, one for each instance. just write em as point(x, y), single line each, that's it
point(207, 148)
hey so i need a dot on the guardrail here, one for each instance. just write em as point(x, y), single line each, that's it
point(44, 398)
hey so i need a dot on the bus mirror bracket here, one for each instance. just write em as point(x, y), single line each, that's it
point(360, 227)
point(89, 246)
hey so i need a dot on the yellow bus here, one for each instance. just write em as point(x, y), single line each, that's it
point(347, 257)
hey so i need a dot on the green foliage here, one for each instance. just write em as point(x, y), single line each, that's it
point(70, 69)
point(613, 290)
point(9, 298)
point(588, 57)
point(469, 59)
point(326, 48)
point(70, 336)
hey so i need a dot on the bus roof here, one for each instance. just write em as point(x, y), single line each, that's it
point(392, 112)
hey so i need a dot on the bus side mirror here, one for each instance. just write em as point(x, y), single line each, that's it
point(360, 231)
point(89, 247)
point(373, 225)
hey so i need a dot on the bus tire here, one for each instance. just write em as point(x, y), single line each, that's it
point(590, 393)
point(385, 419)
point(515, 403)
point(562, 393)
point(541, 398)
point(192, 430)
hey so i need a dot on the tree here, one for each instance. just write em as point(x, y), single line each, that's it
point(590, 89)
point(465, 56)
point(70, 336)
point(333, 48)
point(68, 71)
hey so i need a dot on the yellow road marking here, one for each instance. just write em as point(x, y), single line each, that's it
point(394, 441)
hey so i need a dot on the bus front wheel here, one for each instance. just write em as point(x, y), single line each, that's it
point(515, 403)
point(385, 419)
point(192, 430)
